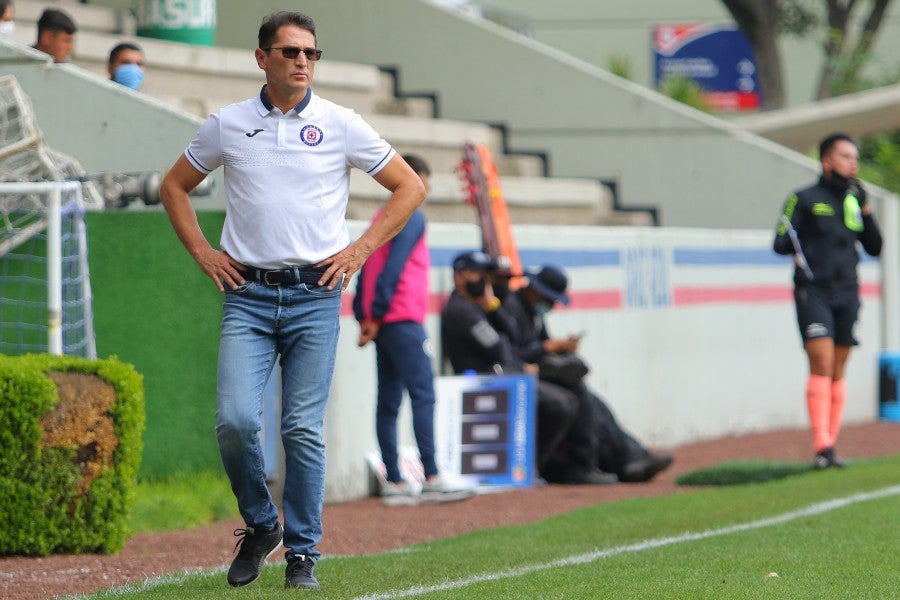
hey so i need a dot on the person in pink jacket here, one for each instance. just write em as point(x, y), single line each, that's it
point(390, 304)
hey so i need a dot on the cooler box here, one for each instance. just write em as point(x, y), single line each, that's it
point(889, 380)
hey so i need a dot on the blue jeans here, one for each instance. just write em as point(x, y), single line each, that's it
point(301, 324)
point(404, 362)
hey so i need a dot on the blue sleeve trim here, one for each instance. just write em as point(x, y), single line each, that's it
point(196, 162)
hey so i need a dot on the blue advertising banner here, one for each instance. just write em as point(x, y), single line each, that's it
point(485, 428)
point(717, 56)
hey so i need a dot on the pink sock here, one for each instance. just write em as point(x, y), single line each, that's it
point(838, 400)
point(818, 403)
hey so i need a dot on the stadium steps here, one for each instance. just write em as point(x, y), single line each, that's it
point(199, 79)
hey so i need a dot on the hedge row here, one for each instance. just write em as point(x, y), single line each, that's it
point(68, 470)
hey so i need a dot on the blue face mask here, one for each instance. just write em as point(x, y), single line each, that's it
point(542, 308)
point(131, 76)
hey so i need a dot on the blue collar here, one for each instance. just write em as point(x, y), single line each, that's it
point(298, 109)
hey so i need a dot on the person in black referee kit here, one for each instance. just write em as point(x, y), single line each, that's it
point(285, 256)
point(820, 227)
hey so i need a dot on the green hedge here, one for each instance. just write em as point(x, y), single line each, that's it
point(47, 503)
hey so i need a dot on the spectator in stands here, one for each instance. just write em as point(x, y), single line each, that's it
point(475, 336)
point(56, 34)
point(390, 304)
point(7, 19)
point(126, 65)
point(285, 258)
point(595, 430)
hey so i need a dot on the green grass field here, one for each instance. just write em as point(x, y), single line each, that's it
point(829, 534)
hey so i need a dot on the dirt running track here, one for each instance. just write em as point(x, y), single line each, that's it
point(367, 526)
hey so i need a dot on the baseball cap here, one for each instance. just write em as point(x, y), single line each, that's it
point(550, 282)
point(474, 260)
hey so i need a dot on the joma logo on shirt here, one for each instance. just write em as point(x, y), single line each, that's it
point(821, 209)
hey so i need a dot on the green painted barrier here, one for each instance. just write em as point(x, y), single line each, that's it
point(188, 21)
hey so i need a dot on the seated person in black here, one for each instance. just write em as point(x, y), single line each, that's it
point(595, 429)
point(474, 337)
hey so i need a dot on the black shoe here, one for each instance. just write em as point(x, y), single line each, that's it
point(646, 468)
point(590, 477)
point(836, 461)
point(256, 547)
point(300, 572)
point(827, 458)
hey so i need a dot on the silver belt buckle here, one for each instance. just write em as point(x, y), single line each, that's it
point(266, 278)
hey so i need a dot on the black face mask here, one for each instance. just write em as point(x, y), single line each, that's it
point(501, 289)
point(476, 288)
point(838, 182)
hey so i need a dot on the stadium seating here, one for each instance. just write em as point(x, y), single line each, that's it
point(197, 80)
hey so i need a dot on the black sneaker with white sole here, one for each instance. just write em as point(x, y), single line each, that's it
point(256, 547)
point(300, 572)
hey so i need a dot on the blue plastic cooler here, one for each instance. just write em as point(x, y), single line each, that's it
point(889, 383)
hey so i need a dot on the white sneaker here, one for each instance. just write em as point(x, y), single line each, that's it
point(439, 489)
point(399, 494)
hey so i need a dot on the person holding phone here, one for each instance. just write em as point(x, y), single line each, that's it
point(475, 337)
point(596, 435)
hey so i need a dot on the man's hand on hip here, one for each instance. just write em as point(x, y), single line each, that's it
point(343, 264)
point(220, 267)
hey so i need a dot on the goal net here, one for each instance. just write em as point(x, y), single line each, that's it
point(45, 293)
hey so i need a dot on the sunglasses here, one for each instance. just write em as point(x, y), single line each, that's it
point(292, 52)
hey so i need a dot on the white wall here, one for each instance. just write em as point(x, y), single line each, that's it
point(691, 335)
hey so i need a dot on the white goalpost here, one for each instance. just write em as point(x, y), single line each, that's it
point(45, 292)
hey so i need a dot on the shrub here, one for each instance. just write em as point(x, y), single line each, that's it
point(70, 448)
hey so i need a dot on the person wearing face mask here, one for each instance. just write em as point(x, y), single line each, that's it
point(596, 437)
point(820, 226)
point(476, 337)
point(7, 22)
point(126, 65)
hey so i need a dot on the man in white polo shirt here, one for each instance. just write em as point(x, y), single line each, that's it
point(285, 258)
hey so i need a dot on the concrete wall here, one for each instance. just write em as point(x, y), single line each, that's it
point(691, 334)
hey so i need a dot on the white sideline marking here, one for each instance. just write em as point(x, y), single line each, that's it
point(811, 510)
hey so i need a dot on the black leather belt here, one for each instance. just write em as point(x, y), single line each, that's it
point(286, 276)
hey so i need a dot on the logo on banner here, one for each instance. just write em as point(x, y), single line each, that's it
point(311, 135)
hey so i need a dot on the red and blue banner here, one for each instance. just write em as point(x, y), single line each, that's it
point(716, 56)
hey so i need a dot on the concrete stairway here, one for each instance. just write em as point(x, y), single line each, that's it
point(198, 80)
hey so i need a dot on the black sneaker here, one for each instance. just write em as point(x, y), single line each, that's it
point(646, 467)
point(300, 572)
point(256, 547)
point(827, 458)
point(589, 476)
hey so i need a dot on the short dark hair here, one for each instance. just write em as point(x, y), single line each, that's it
point(3, 5)
point(418, 164)
point(828, 143)
point(118, 48)
point(55, 20)
point(270, 24)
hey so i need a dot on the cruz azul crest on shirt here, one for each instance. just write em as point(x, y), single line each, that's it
point(311, 135)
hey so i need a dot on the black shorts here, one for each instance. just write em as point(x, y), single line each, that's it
point(827, 313)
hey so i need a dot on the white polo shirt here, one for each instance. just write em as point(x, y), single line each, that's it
point(287, 176)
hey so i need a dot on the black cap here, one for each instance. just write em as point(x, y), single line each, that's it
point(474, 260)
point(549, 282)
